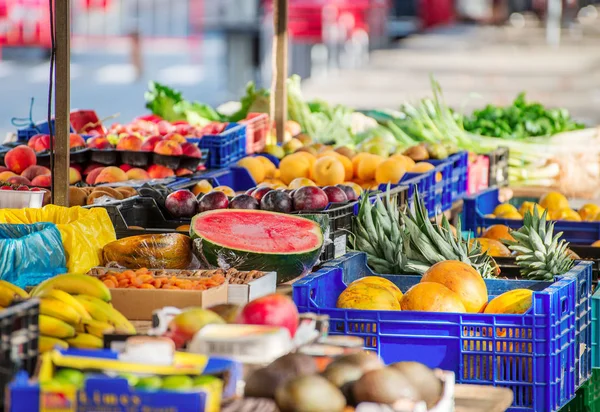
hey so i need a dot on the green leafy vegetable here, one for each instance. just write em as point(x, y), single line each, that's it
point(254, 101)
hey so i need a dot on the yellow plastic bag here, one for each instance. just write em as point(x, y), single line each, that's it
point(84, 231)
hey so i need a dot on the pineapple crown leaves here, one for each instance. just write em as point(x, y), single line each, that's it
point(542, 254)
point(430, 243)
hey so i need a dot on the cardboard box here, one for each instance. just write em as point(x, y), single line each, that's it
point(242, 294)
point(138, 304)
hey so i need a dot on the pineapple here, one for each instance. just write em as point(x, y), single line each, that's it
point(408, 242)
point(542, 255)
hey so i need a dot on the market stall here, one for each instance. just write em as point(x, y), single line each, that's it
point(280, 254)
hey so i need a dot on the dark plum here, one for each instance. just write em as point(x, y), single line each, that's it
point(258, 193)
point(276, 201)
point(213, 200)
point(181, 203)
point(350, 193)
point(244, 202)
point(310, 198)
point(335, 194)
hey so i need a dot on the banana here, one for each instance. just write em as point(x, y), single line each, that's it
point(106, 313)
point(94, 327)
point(7, 296)
point(47, 343)
point(55, 328)
point(14, 288)
point(62, 296)
point(75, 285)
point(59, 310)
point(85, 341)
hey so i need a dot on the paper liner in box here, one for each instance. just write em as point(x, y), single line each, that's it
point(84, 232)
point(30, 253)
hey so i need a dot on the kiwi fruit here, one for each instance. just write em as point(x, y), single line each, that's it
point(298, 364)
point(417, 153)
point(423, 379)
point(77, 196)
point(311, 393)
point(109, 192)
point(366, 361)
point(385, 386)
point(341, 373)
point(263, 382)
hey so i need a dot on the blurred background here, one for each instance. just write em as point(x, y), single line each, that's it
point(363, 53)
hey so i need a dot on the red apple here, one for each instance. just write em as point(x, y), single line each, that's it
point(271, 310)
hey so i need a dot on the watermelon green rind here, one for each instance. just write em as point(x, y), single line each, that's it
point(288, 265)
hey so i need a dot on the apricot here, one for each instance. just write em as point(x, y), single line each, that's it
point(346, 162)
point(168, 148)
point(367, 166)
point(111, 174)
point(131, 143)
point(137, 174)
point(422, 167)
point(4, 176)
point(300, 182)
point(74, 175)
point(202, 186)
point(328, 171)
point(41, 180)
point(160, 172)
point(389, 171)
point(91, 177)
point(20, 158)
point(270, 169)
point(294, 166)
point(405, 160)
point(225, 189)
point(255, 167)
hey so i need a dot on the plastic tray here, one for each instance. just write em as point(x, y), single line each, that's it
point(23, 135)
point(459, 176)
point(477, 206)
point(224, 148)
point(19, 344)
point(16, 199)
point(542, 356)
point(498, 175)
point(257, 129)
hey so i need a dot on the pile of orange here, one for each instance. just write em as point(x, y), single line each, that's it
point(144, 279)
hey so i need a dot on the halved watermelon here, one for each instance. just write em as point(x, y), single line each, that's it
point(258, 240)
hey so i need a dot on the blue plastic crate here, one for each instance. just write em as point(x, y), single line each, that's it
point(224, 148)
point(477, 206)
point(435, 188)
point(459, 180)
point(23, 135)
point(543, 356)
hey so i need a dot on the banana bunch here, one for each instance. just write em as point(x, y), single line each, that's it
point(9, 293)
point(75, 311)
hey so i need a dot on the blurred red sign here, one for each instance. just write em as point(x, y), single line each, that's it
point(25, 23)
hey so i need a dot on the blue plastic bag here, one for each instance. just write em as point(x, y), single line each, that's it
point(30, 254)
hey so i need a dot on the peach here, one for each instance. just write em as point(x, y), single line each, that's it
point(4, 176)
point(91, 177)
point(74, 175)
point(183, 172)
point(191, 150)
point(4, 169)
point(176, 137)
point(164, 127)
point(91, 167)
point(328, 171)
point(131, 143)
point(76, 141)
point(32, 171)
point(168, 148)
point(137, 174)
point(99, 143)
point(20, 158)
point(150, 143)
point(125, 167)
point(111, 174)
point(31, 143)
point(160, 172)
point(43, 143)
point(42, 180)
point(19, 180)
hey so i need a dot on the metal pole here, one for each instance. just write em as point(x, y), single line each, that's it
point(62, 78)
point(280, 67)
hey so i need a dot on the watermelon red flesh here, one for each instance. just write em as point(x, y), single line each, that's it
point(258, 240)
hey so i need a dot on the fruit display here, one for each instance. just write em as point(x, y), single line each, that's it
point(557, 206)
point(258, 240)
point(294, 382)
point(160, 251)
point(232, 276)
point(144, 279)
point(75, 311)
